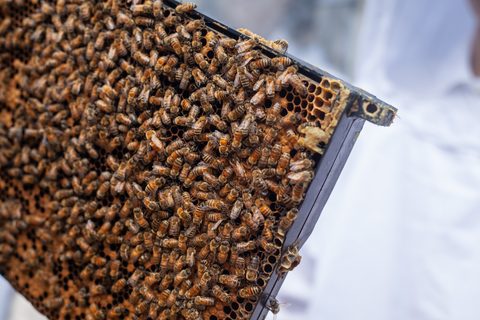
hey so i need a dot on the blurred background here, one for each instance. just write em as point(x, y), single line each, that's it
point(413, 252)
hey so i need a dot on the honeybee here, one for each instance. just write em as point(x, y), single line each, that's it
point(152, 313)
point(246, 45)
point(244, 77)
point(302, 176)
point(194, 24)
point(172, 297)
point(142, 307)
point(137, 274)
point(157, 10)
point(97, 290)
point(274, 306)
point(204, 301)
point(98, 261)
point(199, 77)
point(249, 291)
point(223, 252)
point(200, 60)
point(116, 312)
point(281, 63)
point(286, 222)
point(132, 226)
point(252, 268)
point(185, 7)
point(181, 276)
point(236, 113)
point(165, 315)
point(190, 258)
point(239, 263)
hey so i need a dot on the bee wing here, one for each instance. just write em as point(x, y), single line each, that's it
point(246, 61)
point(215, 226)
point(284, 305)
point(119, 186)
point(274, 316)
point(236, 82)
point(258, 84)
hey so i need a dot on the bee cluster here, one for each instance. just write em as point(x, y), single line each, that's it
point(150, 167)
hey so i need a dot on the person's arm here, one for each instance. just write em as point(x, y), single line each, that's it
point(476, 44)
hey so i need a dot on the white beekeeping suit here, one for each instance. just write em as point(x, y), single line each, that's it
point(400, 235)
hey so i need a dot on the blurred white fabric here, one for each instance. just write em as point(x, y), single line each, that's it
point(399, 237)
point(6, 291)
point(22, 309)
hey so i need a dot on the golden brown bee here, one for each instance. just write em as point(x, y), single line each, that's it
point(239, 263)
point(199, 77)
point(204, 301)
point(153, 312)
point(190, 259)
point(141, 58)
point(252, 268)
point(157, 250)
point(172, 297)
point(249, 291)
point(53, 303)
point(157, 12)
point(100, 273)
point(185, 7)
point(132, 226)
point(142, 222)
point(297, 193)
point(98, 261)
point(200, 60)
point(116, 312)
point(246, 45)
point(150, 204)
point(223, 252)
point(283, 163)
point(240, 233)
point(81, 297)
point(142, 307)
point(135, 295)
point(286, 222)
point(147, 293)
point(185, 171)
point(119, 285)
point(137, 274)
point(194, 24)
point(165, 315)
point(162, 229)
point(236, 113)
point(97, 290)
point(181, 276)
point(301, 165)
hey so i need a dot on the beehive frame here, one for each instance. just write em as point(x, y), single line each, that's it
point(337, 107)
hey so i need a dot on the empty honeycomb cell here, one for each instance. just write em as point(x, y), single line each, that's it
point(304, 104)
point(311, 88)
point(289, 97)
point(310, 98)
point(335, 86)
point(296, 101)
point(319, 102)
point(327, 95)
point(318, 91)
point(318, 114)
point(325, 83)
point(371, 108)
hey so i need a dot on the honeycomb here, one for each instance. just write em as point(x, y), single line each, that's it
point(151, 165)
